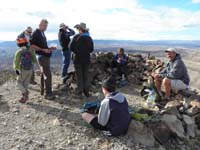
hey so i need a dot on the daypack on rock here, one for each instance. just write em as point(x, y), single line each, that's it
point(26, 60)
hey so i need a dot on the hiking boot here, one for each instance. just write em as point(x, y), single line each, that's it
point(64, 79)
point(23, 99)
point(78, 95)
point(86, 93)
point(33, 82)
point(49, 96)
point(26, 95)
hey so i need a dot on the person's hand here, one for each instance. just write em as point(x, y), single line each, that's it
point(17, 72)
point(52, 48)
point(46, 50)
point(155, 75)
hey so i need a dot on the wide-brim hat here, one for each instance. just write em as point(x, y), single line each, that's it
point(81, 26)
point(62, 25)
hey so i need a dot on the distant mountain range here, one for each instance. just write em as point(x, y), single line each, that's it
point(107, 43)
point(8, 48)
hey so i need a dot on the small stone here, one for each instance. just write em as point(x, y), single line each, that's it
point(56, 122)
point(69, 142)
point(15, 110)
point(27, 116)
point(5, 123)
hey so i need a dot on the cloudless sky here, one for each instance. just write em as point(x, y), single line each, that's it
point(107, 19)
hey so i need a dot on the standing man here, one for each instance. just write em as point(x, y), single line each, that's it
point(27, 34)
point(64, 39)
point(39, 43)
point(82, 46)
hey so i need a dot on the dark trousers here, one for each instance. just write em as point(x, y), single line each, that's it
point(82, 77)
point(46, 77)
point(121, 68)
point(33, 76)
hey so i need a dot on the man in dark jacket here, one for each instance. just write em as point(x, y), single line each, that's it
point(113, 115)
point(82, 46)
point(27, 34)
point(64, 39)
point(43, 52)
point(174, 76)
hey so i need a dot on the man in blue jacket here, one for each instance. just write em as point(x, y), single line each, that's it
point(82, 46)
point(113, 116)
point(174, 76)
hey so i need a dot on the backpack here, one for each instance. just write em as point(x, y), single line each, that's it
point(26, 60)
point(91, 107)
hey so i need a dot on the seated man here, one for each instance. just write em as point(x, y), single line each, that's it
point(120, 61)
point(174, 76)
point(113, 116)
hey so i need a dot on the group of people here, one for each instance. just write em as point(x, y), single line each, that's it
point(113, 116)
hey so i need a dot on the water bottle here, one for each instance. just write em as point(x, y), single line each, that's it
point(151, 97)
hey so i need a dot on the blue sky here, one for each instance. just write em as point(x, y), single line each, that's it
point(107, 19)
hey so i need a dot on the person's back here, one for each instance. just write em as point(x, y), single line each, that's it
point(113, 116)
point(82, 46)
point(115, 105)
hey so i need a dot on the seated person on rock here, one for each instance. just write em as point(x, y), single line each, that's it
point(120, 62)
point(174, 76)
point(113, 117)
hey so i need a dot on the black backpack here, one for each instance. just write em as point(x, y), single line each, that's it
point(26, 60)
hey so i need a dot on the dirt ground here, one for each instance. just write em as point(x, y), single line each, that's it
point(57, 125)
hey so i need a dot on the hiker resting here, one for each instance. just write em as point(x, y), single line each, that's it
point(174, 76)
point(113, 117)
point(120, 62)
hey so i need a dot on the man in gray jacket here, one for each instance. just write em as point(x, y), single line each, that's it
point(174, 76)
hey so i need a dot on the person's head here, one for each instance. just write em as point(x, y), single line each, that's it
point(120, 51)
point(109, 85)
point(63, 26)
point(22, 42)
point(171, 53)
point(43, 25)
point(81, 27)
point(28, 31)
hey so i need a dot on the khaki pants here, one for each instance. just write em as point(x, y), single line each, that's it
point(23, 80)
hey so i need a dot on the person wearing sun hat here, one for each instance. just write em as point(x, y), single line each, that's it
point(174, 76)
point(113, 116)
point(64, 38)
point(81, 46)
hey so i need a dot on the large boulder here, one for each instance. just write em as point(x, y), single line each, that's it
point(190, 126)
point(174, 124)
point(140, 133)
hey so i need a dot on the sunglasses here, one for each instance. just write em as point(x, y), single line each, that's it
point(29, 32)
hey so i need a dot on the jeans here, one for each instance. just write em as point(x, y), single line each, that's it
point(82, 77)
point(66, 62)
